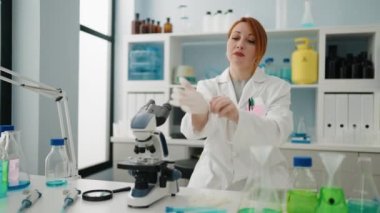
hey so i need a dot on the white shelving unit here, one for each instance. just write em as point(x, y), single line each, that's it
point(205, 52)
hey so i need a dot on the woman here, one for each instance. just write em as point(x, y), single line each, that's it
point(235, 110)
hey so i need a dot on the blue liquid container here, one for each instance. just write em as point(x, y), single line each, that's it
point(56, 164)
point(363, 206)
point(4, 178)
point(286, 72)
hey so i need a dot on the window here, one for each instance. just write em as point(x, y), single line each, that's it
point(96, 44)
point(6, 60)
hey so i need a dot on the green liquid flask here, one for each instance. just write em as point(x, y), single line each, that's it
point(303, 197)
point(332, 200)
point(4, 178)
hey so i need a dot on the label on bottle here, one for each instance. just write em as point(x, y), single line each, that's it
point(14, 171)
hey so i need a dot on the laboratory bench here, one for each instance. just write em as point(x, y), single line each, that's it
point(52, 198)
point(183, 149)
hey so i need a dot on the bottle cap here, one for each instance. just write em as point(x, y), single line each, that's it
point(302, 161)
point(286, 60)
point(269, 59)
point(4, 128)
point(57, 142)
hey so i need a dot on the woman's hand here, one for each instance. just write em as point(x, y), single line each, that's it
point(224, 107)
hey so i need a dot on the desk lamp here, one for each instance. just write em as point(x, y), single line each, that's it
point(60, 97)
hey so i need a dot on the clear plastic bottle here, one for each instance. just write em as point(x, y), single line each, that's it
point(228, 19)
point(307, 18)
point(281, 16)
point(270, 68)
point(18, 175)
point(207, 22)
point(56, 164)
point(286, 72)
point(303, 196)
point(217, 21)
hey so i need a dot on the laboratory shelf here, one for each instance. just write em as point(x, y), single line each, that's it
point(331, 147)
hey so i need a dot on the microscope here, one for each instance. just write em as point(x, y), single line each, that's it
point(153, 178)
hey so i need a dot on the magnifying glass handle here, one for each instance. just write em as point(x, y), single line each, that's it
point(128, 188)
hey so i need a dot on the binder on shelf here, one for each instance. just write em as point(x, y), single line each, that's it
point(367, 125)
point(341, 117)
point(354, 117)
point(329, 117)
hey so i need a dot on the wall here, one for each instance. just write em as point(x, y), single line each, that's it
point(325, 12)
point(45, 49)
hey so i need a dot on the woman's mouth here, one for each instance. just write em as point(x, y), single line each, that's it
point(239, 54)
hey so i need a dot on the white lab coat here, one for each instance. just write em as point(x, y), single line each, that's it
point(225, 159)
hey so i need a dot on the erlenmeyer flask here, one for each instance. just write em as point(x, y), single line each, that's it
point(269, 180)
point(365, 196)
point(18, 177)
point(307, 18)
point(331, 195)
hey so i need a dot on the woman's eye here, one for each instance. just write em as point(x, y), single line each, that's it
point(252, 41)
point(235, 38)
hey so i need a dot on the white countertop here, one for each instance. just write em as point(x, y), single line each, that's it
point(52, 199)
point(313, 146)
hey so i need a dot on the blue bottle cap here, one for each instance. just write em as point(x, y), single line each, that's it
point(286, 60)
point(269, 60)
point(4, 128)
point(302, 161)
point(57, 141)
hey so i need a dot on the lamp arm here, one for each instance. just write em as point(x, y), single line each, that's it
point(61, 100)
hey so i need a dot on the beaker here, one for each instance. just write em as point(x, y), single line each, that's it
point(331, 195)
point(268, 182)
point(18, 175)
point(365, 196)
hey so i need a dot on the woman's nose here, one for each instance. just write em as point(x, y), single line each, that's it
point(239, 45)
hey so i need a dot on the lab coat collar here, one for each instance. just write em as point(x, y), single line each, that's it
point(226, 86)
point(258, 77)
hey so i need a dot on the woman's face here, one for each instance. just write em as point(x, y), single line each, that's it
point(241, 47)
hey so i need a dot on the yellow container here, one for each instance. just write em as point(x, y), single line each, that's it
point(304, 63)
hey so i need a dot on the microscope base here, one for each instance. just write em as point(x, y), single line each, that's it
point(154, 195)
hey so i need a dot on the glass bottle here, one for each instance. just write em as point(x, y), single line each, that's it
point(168, 27)
point(136, 24)
point(307, 17)
point(158, 28)
point(228, 19)
point(207, 22)
point(143, 27)
point(270, 68)
point(302, 198)
point(56, 164)
point(281, 16)
point(217, 21)
point(18, 175)
point(286, 72)
point(3, 172)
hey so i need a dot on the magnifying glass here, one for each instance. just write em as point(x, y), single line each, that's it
point(102, 194)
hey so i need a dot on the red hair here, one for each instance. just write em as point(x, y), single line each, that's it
point(259, 34)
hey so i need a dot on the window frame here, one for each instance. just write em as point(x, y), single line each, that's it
point(111, 38)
